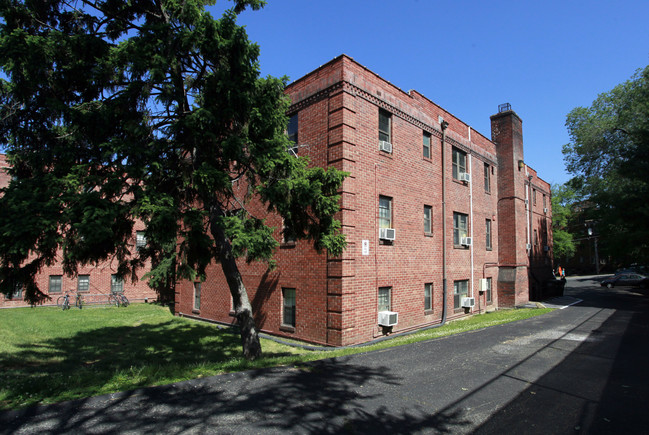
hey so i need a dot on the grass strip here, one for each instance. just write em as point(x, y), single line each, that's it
point(48, 355)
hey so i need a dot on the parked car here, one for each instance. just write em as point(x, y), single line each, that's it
point(628, 279)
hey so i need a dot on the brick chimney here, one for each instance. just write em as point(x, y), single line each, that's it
point(507, 134)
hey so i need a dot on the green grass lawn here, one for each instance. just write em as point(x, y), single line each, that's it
point(48, 355)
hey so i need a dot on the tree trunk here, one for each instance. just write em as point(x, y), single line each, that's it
point(242, 308)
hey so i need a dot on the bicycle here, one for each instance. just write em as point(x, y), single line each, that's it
point(79, 301)
point(63, 301)
point(118, 299)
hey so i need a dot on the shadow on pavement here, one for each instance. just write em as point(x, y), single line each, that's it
point(602, 386)
point(323, 397)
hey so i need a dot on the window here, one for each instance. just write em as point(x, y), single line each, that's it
point(288, 235)
point(488, 234)
point(460, 290)
point(55, 284)
point(428, 297)
point(460, 227)
point(197, 295)
point(459, 163)
point(292, 133)
point(487, 178)
point(427, 137)
point(428, 219)
point(288, 296)
point(536, 237)
point(385, 130)
point(17, 293)
point(83, 283)
point(292, 128)
point(140, 240)
point(385, 298)
point(488, 292)
point(545, 204)
point(116, 284)
point(385, 212)
point(534, 196)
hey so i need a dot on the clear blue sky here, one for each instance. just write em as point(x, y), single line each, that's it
point(543, 57)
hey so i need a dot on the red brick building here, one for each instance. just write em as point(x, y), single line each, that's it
point(95, 282)
point(430, 205)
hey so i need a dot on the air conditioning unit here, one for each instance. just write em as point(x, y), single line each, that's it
point(484, 284)
point(465, 176)
point(468, 302)
point(388, 318)
point(528, 246)
point(545, 210)
point(386, 233)
point(546, 248)
point(466, 241)
point(385, 146)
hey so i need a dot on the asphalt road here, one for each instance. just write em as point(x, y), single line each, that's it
point(580, 369)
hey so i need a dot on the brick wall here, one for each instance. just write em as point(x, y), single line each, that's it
point(99, 276)
point(337, 298)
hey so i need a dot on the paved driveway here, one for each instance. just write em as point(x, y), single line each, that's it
point(582, 369)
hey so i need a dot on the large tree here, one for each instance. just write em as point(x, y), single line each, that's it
point(115, 111)
point(563, 199)
point(609, 157)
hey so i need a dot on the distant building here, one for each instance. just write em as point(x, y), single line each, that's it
point(95, 282)
point(429, 204)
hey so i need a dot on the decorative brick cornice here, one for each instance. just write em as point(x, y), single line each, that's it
point(395, 111)
point(314, 98)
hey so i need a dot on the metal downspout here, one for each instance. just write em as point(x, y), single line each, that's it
point(444, 125)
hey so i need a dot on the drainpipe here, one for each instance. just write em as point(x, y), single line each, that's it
point(528, 193)
point(471, 216)
point(444, 125)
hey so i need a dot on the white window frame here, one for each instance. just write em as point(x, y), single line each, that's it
point(55, 281)
point(140, 240)
point(83, 283)
point(385, 212)
point(385, 135)
point(116, 284)
point(459, 162)
point(197, 295)
point(427, 141)
point(460, 227)
point(460, 290)
point(289, 307)
point(384, 299)
point(489, 294)
point(428, 296)
point(428, 219)
point(488, 234)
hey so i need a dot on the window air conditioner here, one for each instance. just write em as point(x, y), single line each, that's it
point(466, 241)
point(388, 318)
point(528, 246)
point(386, 233)
point(465, 176)
point(385, 146)
point(545, 210)
point(468, 302)
point(484, 284)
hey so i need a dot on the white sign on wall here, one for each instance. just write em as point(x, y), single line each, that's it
point(366, 247)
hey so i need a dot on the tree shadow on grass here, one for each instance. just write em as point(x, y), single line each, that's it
point(101, 360)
